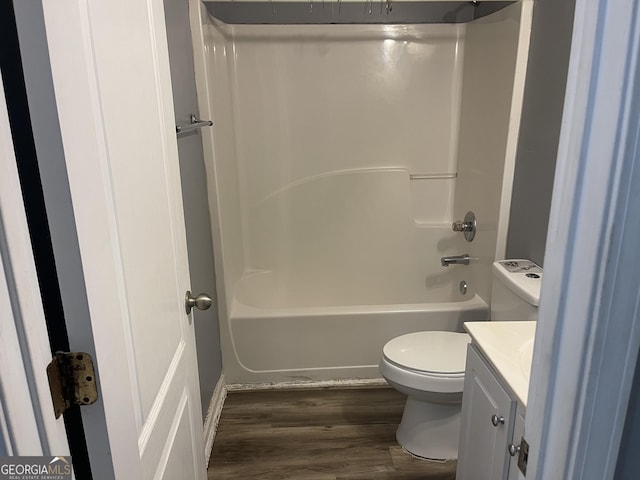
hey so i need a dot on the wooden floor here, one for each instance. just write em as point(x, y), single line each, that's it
point(327, 434)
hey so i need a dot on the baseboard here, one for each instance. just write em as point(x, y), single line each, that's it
point(213, 416)
point(347, 383)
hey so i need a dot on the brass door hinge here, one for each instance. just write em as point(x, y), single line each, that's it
point(72, 380)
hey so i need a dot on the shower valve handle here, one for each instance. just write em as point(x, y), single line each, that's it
point(459, 226)
point(468, 226)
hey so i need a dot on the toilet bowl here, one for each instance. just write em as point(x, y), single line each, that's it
point(429, 366)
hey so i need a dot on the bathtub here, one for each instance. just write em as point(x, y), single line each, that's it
point(277, 337)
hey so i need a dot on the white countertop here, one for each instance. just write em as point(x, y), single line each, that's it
point(509, 348)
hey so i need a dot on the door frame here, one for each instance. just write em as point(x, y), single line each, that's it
point(588, 333)
point(27, 420)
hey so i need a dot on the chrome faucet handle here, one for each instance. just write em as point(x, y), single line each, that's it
point(468, 226)
point(459, 226)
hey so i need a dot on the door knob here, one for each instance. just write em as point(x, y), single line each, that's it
point(201, 302)
point(497, 420)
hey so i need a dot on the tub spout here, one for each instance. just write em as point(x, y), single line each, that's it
point(455, 260)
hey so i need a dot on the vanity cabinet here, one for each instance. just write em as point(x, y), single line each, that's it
point(490, 423)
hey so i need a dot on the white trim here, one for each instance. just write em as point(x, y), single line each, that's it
point(587, 339)
point(6, 442)
point(18, 426)
point(24, 342)
point(18, 423)
point(213, 417)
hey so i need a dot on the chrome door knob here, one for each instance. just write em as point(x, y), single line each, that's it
point(513, 449)
point(496, 420)
point(201, 302)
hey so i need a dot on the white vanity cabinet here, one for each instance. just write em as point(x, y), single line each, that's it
point(491, 422)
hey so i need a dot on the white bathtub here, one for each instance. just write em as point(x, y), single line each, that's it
point(276, 343)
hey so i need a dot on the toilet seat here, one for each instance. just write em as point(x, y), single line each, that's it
point(436, 352)
point(428, 361)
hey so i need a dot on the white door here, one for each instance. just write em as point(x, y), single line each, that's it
point(111, 78)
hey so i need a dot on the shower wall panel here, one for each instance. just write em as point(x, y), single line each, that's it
point(213, 59)
point(316, 99)
point(493, 83)
point(318, 110)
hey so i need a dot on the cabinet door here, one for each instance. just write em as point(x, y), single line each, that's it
point(483, 445)
point(518, 433)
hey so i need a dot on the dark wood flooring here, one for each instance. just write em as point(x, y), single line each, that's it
point(323, 434)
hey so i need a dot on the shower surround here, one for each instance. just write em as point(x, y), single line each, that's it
point(339, 157)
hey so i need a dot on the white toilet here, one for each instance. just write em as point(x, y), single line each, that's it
point(429, 366)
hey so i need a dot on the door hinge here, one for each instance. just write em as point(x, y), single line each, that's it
point(523, 456)
point(72, 380)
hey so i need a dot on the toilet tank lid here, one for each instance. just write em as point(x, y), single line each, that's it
point(522, 277)
point(430, 352)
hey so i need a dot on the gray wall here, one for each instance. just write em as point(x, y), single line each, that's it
point(194, 193)
point(53, 172)
point(540, 128)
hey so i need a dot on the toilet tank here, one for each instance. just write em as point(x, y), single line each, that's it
point(516, 290)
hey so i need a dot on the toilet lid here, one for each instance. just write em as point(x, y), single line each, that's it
point(436, 352)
